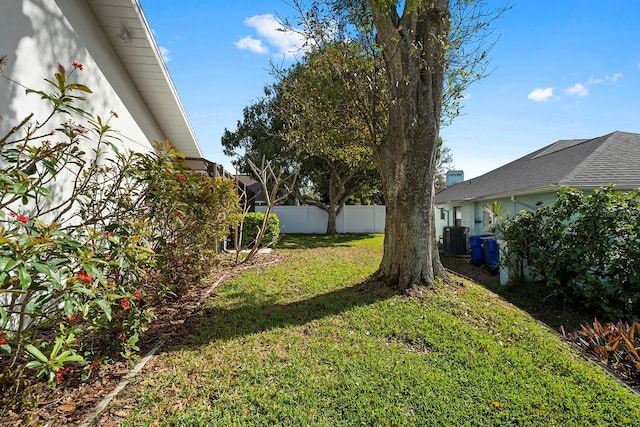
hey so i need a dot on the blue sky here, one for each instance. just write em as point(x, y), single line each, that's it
point(561, 70)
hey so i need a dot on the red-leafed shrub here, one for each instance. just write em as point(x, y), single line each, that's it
point(90, 234)
point(616, 344)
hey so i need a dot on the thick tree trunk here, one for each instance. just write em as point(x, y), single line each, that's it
point(410, 251)
point(413, 48)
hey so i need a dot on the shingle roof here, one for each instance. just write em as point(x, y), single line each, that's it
point(580, 163)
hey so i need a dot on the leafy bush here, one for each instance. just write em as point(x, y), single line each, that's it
point(79, 268)
point(251, 226)
point(64, 283)
point(618, 345)
point(585, 248)
point(189, 213)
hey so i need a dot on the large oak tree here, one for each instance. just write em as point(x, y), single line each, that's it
point(429, 51)
point(414, 48)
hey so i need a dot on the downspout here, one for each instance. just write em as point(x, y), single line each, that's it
point(445, 210)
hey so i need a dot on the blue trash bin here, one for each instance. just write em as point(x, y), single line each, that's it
point(492, 255)
point(477, 248)
point(477, 251)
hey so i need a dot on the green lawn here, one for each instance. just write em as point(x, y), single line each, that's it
point(306, 342)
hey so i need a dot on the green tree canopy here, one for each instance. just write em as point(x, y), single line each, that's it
point(306, 121)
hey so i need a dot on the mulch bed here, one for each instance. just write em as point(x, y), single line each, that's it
point(74, 400)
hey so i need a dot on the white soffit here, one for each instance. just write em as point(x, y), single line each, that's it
point(128, 32)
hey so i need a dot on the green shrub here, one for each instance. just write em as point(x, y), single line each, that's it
point(585, 248)
point(80, 269)
point(251, 226)
point(189, 213)
point(72, 262)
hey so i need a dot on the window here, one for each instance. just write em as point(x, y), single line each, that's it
point(486, 218)
point(457, 214)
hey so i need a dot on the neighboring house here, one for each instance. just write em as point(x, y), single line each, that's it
point(253, 194)
point(534, 179)
point(121, 61)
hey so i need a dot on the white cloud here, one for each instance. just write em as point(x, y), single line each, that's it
point(251, 44)
point(578, 90)
point(540, 95)
point(608, 79)
point(165, 54)
point(614, 78)
point(287, 43)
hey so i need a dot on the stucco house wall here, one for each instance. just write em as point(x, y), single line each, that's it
point(476, 220)
point(121, 64)
point(41, 37)
point(37, 35)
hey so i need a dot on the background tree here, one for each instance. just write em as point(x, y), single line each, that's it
point(317, 99)
point(257, 136)
point(305, 122)
point(444, 163)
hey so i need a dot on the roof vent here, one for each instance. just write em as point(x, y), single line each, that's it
point(454, 177)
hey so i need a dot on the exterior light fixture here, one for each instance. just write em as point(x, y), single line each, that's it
point(123, 35)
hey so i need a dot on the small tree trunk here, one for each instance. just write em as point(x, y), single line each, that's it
point(331, 220)
point(271, 183)
point(334, 195)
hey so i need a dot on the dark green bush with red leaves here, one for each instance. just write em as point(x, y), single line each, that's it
point(584, 248)
point(82, 266)
point(191, 214)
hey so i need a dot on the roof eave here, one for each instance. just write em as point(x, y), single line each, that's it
point(167, 110)
point(188, 130)
point(539, 190)
point(504, 195)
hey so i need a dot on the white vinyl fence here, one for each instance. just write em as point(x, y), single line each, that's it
point(313, 220)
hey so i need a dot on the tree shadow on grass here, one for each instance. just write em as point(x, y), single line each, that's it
point(218, 323)
point(534, 298)
point(310, 241)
